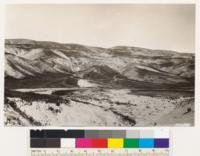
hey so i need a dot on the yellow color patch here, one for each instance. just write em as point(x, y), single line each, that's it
point(115, 143)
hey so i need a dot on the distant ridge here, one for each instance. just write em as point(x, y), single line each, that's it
point(29, 58)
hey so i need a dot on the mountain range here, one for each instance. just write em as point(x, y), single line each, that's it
point(30, 63)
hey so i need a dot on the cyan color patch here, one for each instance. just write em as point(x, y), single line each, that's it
point(146, 143)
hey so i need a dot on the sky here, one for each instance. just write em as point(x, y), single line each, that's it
point(154, 26)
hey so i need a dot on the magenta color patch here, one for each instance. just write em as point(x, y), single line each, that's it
point(83, 143)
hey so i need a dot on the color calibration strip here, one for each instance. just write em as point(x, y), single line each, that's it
point(99, 139)
point(99, 142)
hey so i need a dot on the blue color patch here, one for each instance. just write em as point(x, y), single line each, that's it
point(146, 143)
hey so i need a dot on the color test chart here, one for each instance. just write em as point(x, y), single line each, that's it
point(99, 142)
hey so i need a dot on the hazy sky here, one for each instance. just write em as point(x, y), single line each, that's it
point(169, 27)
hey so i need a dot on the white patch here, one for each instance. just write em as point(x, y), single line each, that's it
point(60, 54)
point(147, 68)
point(85, 83)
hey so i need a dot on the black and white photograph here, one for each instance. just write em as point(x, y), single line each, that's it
point(119, 65)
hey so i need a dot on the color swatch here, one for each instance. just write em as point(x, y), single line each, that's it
point(131, 143)
point(146, 143)
point(115, 143)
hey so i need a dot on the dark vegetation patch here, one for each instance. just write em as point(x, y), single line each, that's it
point(164, 93)
point(64, 92)
point(54, 110)
point(125, 118)
point(30, 96)
point(42, 81)
point(142, 85)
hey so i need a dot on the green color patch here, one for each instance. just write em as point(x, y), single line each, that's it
point(131, 143)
